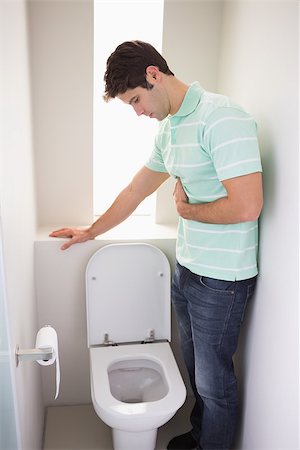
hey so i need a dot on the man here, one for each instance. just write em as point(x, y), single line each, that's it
point(209, 144)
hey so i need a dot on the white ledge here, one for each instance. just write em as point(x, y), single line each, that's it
point(134, 228)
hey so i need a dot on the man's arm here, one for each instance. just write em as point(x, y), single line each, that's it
point(144, 183)
point(243, 202)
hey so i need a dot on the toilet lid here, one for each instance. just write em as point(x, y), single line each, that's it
point(128, 294)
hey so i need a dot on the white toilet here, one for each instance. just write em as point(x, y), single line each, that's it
point(136, 385)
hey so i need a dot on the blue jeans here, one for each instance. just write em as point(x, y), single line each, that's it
point(209, 315)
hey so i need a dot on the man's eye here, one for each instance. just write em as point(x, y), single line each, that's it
point(136, 100)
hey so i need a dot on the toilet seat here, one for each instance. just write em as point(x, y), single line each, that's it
point(146, 415)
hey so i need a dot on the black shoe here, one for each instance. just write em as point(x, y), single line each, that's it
point(182, 442)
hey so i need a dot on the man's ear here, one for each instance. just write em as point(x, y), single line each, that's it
point(152, 74)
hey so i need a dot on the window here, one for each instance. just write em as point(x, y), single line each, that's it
point(122, 140)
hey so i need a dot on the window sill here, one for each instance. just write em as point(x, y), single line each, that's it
point(134, 228)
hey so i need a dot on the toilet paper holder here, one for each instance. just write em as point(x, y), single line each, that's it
point(33, 354)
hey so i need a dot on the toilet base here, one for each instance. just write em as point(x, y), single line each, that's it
point(134, 440)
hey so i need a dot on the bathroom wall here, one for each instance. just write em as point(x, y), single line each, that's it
point(192, 40)
point(61, 56)
point(18, 215)
point(259, 67)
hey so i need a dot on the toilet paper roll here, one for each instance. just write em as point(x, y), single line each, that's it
point(47, 337)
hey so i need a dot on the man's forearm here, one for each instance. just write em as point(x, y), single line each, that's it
point(123, 206)
point(218, 212)
point(243, 202)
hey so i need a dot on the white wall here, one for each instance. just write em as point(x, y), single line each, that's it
point(61, 55)
point(192, 39)
point(17, 199)
point(259, 68)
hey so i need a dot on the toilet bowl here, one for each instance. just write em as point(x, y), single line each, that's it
point(136, 385)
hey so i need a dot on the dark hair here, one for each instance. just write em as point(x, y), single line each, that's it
point(126, 67)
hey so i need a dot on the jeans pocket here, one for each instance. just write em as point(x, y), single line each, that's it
point(210, 308)
point(250, 292)
point(221, 286)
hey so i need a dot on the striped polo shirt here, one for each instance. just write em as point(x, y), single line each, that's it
point(210, 139)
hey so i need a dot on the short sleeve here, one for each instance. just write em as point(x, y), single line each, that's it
point(155, 162)
point(230, 137)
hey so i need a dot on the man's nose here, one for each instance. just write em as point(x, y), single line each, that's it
point(139, 110)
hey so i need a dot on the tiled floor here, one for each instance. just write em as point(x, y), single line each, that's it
point(79, 428)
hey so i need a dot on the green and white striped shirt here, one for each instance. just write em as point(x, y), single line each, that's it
point(210, 139)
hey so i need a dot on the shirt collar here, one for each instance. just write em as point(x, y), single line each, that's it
point(191, 100)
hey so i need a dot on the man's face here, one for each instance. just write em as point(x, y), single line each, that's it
point(153, 103)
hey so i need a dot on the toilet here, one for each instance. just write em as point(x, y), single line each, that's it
point(136, 386)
